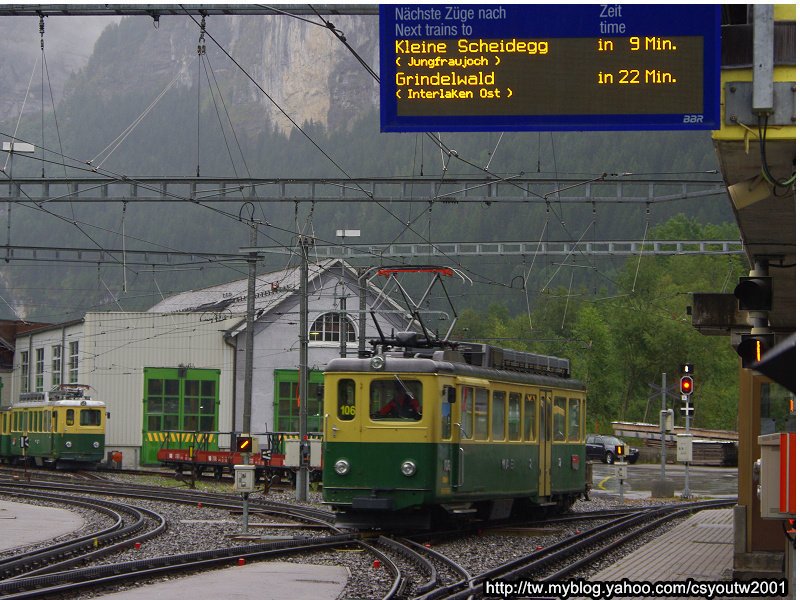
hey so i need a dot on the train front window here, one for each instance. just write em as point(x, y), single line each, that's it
point(346, 400)
point(395, 399)
point(90, 417)
point(70, 417)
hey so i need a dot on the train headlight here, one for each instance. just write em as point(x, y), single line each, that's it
point(342, 467)
point(377, 362)
point(408, 468)
point(68, 444)
point(95, 444)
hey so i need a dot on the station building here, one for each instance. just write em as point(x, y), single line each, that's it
point(180, 366)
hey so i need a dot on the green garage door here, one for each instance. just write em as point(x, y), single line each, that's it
point(287, 410)
point(179, 403)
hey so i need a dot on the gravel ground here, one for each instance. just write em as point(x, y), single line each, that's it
point(192, 528)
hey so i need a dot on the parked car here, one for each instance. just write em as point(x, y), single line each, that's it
point(604, 448)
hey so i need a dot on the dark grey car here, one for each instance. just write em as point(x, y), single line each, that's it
point(604, 449)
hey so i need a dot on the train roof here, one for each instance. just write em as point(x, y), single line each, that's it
point(78, 402)
point(445, 362)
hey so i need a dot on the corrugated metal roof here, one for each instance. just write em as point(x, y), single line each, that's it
point(271, 289)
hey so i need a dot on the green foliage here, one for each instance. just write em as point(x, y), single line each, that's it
point(620, 345)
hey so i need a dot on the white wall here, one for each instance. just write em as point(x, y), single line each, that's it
point(116, 347)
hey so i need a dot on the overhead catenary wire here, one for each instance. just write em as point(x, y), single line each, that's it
point(441, 145)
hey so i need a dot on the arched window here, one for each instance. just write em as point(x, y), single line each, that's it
point(326, 329)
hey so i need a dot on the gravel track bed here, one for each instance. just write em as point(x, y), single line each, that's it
point(192, 528)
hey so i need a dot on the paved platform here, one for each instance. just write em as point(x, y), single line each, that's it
point(700, 548)
point(256, 581)
point(24, 524)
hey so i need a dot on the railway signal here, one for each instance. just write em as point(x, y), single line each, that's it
point(754, 293)
point(244, 443)
point(687, 385)
point(753, 347)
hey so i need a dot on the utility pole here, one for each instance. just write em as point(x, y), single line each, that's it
point(302, 473)
point(344, 233)
point(250, 325)
point(362, 309)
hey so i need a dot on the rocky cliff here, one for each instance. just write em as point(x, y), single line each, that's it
point(303, 69)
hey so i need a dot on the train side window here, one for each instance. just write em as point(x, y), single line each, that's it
point(346, 400)
point(498, 415)
point(90, 417)
point(481, 414)
point(513, 416)
point(47, 422)
point(574, 420)
point(467, 409)
point(560, 419)
point(529, 415)
point(447, 412)
point(70, 417)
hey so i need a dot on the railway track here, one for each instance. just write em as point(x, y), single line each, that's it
point(563, 559)
point(388, 567)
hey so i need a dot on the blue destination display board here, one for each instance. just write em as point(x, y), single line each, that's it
point(565, 67)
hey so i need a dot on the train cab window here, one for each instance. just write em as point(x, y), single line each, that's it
point(498, 415)
point(346, 400)
point(574, 420)
point(513, 416)
point(90, 417)
point(481, 414)
point(529, 417)
point(70, 417)
point(55, 420)
point(560, 419)
point(467, 410)
point(448, 393)
point(395, 399)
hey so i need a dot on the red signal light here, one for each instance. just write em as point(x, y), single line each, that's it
point(687, 385)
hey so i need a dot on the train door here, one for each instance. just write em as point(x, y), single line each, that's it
point(448, 466)
point(545, 441)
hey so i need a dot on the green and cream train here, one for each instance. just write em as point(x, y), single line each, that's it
point(493, 432)
point(60, 428)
